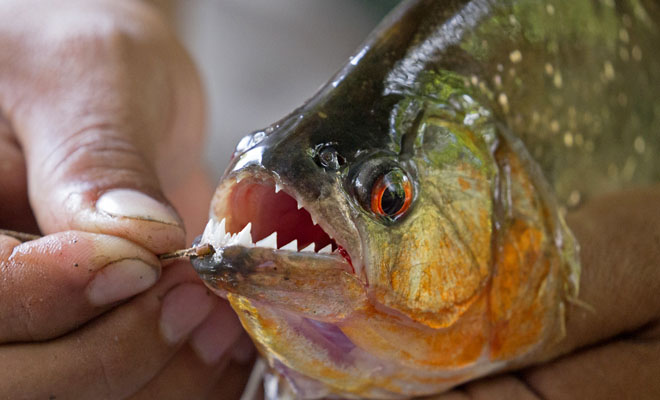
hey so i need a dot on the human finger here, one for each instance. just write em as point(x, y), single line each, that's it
point(619, 255)
point(117, 353)
point(244, 351)
point(184, 377)
point(232, 383)
point(625, 368)
point(196, 368)
point(95, 132)
point(61, 281)
point(608, 371)
point(497, 387)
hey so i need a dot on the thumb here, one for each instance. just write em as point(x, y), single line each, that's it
point(98, 182)
point(97, 179)
point(89, 112)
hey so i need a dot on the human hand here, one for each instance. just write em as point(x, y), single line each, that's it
point(99, 105)
point(612, 351)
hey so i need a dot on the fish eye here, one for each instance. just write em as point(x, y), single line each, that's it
point(329, 158)
point(391, 194)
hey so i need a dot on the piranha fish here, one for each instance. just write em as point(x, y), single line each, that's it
point(402, 232)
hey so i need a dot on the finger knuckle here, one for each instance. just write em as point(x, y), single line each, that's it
point(90, 154)
point(110, 30)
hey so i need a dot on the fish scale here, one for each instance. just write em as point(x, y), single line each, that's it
point(487, 120)
point(580, 90)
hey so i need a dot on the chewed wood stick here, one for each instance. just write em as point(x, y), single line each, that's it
point(195, 251)
point(23, 237)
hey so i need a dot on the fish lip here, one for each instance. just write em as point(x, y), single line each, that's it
point(254, 174)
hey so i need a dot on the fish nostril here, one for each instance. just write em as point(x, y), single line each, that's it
point(328, 157)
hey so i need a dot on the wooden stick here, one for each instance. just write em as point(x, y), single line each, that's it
point(23, 237)
point(255, 381)
point(195, 251)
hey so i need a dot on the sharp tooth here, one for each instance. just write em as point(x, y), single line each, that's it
point(326, 250)
point(239, 178)
point(209, 235)
point(269, 242)
point(299, 205)
point(222, 234)
point(244, 237)
point(313, 219)
point(309, 248)
point(277, 188)
point(221, 228)
point(293, 245)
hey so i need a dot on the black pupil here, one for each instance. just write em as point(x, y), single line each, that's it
point(394, 195)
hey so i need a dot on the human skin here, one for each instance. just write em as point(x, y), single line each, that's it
point(101, 122)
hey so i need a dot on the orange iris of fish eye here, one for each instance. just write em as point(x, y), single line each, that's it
point(391, 194)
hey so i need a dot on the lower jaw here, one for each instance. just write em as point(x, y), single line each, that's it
point(319, 360)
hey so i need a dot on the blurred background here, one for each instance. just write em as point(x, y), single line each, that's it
point(260, 59)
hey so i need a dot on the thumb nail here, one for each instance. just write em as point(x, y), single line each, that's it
point(130, 203)
point(120, 280)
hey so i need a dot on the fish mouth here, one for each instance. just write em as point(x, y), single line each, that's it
point(254, 210)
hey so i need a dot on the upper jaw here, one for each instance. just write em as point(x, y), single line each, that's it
point(254, 208)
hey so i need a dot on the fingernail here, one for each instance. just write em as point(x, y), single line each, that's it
point(121, 280)
point(133, 204)
point(216, 335)
point(184, 308)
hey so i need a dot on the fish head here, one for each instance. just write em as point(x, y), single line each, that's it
point(397, 192)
